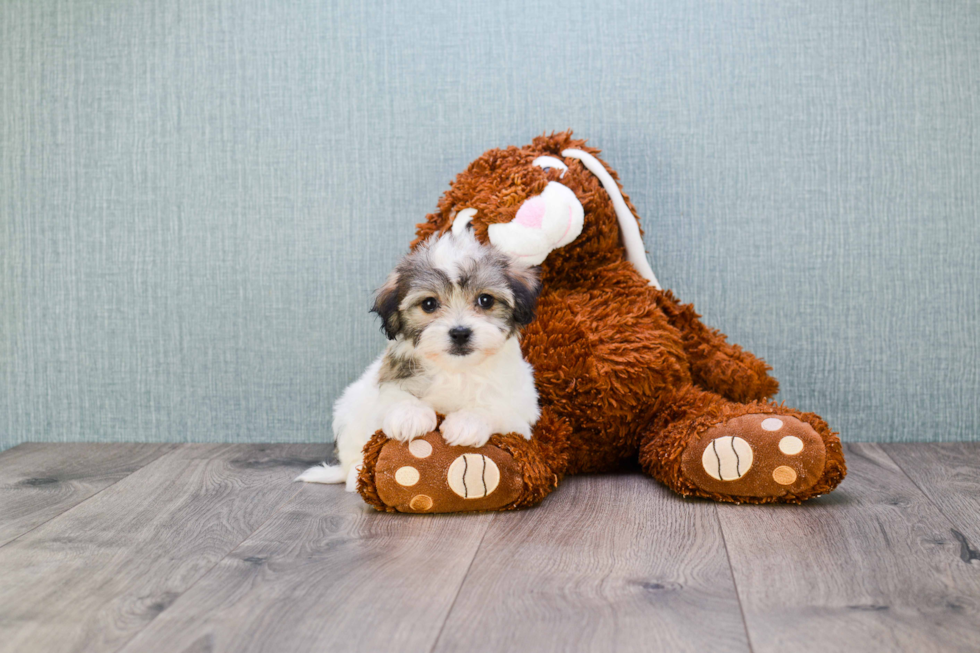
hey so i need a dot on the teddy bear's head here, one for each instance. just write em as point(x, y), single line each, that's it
point(552, 203)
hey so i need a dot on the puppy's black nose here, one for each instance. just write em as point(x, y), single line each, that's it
point(460, 335)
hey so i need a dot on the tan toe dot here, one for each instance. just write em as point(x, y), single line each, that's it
point(420, 448)
point(421, 502)
point(407, 476)
point(772, 424)
point(791, 445)
point(784, 475)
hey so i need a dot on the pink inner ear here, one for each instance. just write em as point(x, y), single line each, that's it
point(531, 213)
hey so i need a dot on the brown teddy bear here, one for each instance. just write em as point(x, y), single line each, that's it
point(625, 373)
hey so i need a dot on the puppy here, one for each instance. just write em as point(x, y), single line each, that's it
point(453, 310)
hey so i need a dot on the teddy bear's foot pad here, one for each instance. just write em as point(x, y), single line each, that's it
point(428, 475)
point(756, 456)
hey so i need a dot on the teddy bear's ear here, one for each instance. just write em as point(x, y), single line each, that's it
point(628, 227)
point(526, 285)
point(386, 302)
point(435, 223)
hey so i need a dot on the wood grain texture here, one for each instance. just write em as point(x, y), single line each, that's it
point(212, 548)
point(41, 481)
point(327, 573)
point(606, 563)
point(949, 474)
point(91, 578)
point(871, 567)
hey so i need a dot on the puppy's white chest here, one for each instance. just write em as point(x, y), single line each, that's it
point(448, 393)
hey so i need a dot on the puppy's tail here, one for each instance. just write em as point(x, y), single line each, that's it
point(323, 474)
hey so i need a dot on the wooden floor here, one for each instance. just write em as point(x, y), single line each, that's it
point(199, 548)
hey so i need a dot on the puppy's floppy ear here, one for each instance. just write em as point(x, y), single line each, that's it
point(386, 302)
point(526, 286)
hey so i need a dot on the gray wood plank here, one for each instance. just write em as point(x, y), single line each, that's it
point(870, 567)
point(327, 573)
point(949, 474)
point(39, 481)
point(608, 563)
point(91, 578)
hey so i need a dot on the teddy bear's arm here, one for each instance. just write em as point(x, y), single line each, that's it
point(716, 364)
point(616, 355)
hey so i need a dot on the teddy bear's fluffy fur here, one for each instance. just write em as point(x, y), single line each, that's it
point(627, 374)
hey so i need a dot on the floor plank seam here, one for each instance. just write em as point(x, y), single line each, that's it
point(445, 620)
point(217, 562)
point(88, 498)
point(731, 571)
point(954, 527)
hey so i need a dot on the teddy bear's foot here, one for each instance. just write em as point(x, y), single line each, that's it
point(428, 475)
point(756, 456)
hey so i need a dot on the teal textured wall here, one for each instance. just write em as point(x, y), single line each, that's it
point(197, 198)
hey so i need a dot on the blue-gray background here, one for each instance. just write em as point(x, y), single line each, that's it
point(197, 197)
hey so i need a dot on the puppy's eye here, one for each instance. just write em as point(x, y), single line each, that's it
point(430, 304)
point(485, 301)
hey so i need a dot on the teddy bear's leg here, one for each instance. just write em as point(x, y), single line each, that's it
point(760, 452)
point(428, 475)
point(716, 364)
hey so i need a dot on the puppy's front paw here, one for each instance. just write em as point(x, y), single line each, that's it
point(464, 429)
point(407, 419)
point(523, 429)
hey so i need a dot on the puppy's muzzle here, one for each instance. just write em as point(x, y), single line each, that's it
point(460, 337)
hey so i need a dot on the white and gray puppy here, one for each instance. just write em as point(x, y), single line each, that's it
point(453, 310)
